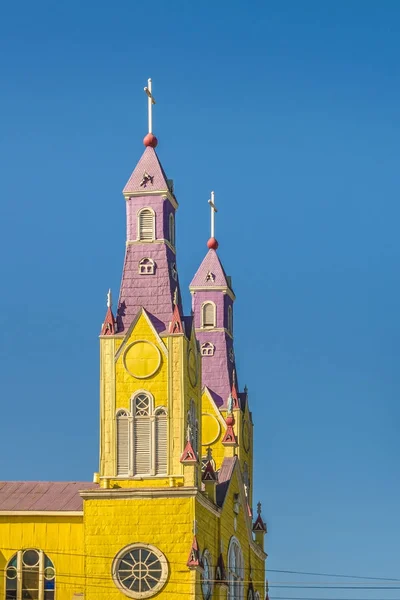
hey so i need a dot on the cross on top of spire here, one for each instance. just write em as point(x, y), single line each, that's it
point(212, 242)
point(150, 139)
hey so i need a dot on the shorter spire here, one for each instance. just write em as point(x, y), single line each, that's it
point(259, 524)
point(229, 438)
point(194, 561)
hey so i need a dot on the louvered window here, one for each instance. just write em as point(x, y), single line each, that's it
point(208, 313)
point(146, 224)
point(142, 435)
point(161, 441)
point(123, 444)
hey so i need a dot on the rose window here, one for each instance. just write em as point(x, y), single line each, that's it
point(140, 571)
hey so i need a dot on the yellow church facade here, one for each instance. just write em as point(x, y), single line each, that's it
point(169, 512)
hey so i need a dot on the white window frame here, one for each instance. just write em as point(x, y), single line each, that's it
point(154, 413)
point(146, 266)
point(207, 556)
point(202, 315)
point(139, 232)
point(207, 349)
point(235, 576)
point(41, 572)
point(164, 571)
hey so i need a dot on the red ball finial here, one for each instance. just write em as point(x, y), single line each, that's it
point(230, 420)
point(212, 243)
point(150, 140)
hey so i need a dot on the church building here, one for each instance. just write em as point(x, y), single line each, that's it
point(169, 513)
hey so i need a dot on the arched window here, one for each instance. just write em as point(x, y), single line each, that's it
point(208, 314)
point(146, 223)
point(30, 574)
point(171, 232)
point(161, 440)
point(207, 576)
point(207, 349)
point(123, 442)
point(146, 266)
point(235, 570)
point(230, 320)
point(142, 438)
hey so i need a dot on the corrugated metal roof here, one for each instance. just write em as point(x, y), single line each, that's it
point(42, 495)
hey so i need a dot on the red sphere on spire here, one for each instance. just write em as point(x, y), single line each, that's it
point(212, 243)
point(230, 420)
point(150, 140)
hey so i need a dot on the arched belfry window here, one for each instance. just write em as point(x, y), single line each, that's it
point(208, 314)
point(171, 229)
point(142, 438)
point(30, 574)
point(146, 224)
point(230, 319)
point(235, 570)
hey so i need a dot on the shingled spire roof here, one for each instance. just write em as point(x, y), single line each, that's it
point(156, 180)
point(211, 273)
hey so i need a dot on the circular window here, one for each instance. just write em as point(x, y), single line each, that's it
point(140, 571)
point(30, 558)
point(206, 577)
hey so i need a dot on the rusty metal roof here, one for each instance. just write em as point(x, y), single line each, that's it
point(42, 495)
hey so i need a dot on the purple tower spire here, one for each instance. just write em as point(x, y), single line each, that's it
point(212, 305)
point(150, 277)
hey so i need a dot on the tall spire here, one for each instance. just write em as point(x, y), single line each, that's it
point(212, 303)
point(150, 277)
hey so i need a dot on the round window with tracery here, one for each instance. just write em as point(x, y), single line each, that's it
point(140, 571)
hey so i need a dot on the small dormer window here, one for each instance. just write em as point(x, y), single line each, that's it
point(207, 349)
point(171, 231)
point(146, 224)
point(146, 266)
point(208, 314)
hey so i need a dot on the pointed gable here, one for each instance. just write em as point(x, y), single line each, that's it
point(148, 175)
point(211, 273)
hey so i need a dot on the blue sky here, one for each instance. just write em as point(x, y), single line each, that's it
point(290, 111)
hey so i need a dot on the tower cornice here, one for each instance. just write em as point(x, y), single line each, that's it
point(165, 194)
point(214, 288)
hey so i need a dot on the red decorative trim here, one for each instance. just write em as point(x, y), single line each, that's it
point(209, 473)
point(194, 561)
point(234, 395)
point(188, 455)
point(220, 573)
point(176, 324)
point(259, 525)
point(229, 438)
point(108, 327)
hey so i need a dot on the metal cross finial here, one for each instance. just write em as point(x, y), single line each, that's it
point(150, 103)
point(109, 299)
point(213, 211)
point(259, 508)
